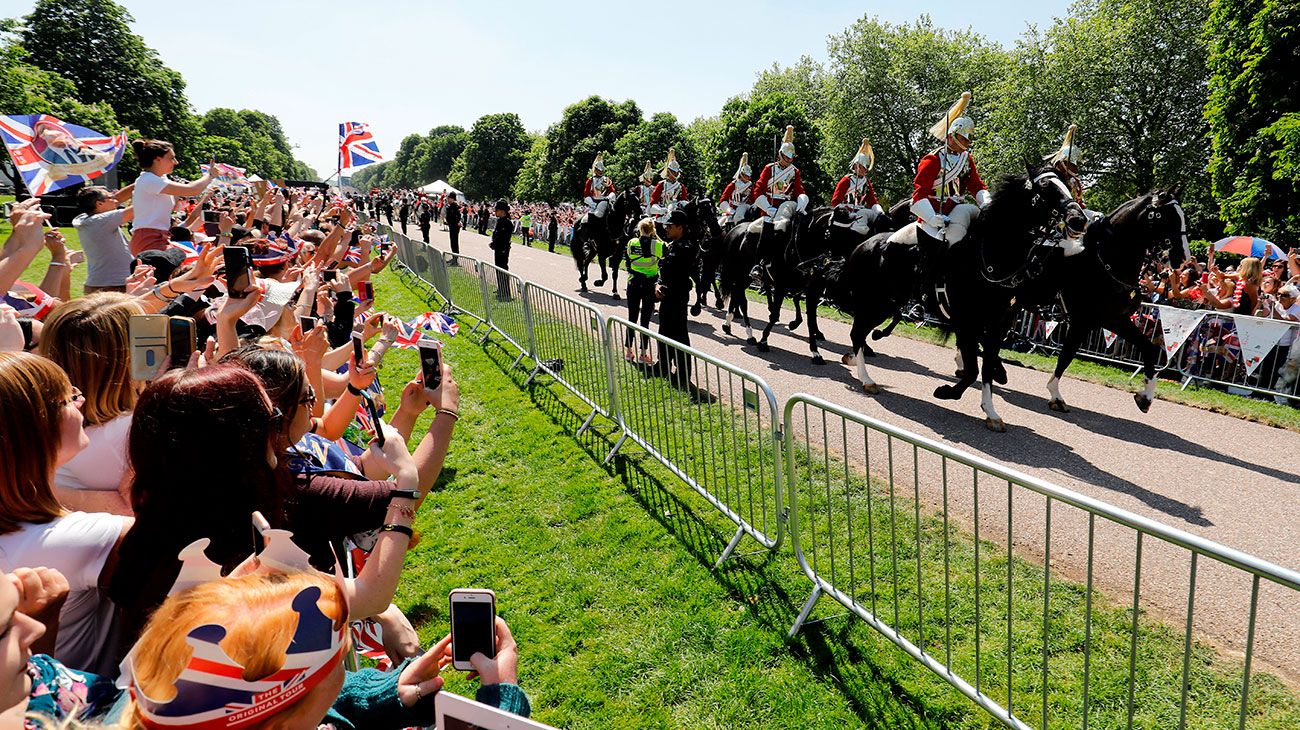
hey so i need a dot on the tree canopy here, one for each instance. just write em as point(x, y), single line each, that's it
point(488, 166)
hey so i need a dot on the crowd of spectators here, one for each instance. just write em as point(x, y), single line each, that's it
point(551, 224)
point(136, 512)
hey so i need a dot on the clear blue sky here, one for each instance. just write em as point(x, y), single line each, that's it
point(406, 66)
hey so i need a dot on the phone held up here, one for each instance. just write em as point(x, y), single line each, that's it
point(238, 271)
point(373, 410)
point(155, 336)
point(431, 363)
point(473, 625)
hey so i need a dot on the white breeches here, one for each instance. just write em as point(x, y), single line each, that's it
point(598, 206)
point(736, 214)
point(780, 217)
point(960, 220)
point(860, 220)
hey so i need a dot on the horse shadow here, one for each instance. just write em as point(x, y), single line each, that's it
point(1022, 445)
point(1134, 431)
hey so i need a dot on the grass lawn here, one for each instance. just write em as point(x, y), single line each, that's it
point(36, 270)
point(605, 573)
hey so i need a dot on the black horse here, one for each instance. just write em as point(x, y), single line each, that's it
point(982, 275)
point(711, 253)
point(602, 240)
point(1099, 287)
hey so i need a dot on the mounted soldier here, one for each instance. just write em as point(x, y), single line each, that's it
point(645, 186)
point(855, 195)
point(734, 203)
point(1066, 163)
point(669, 191)
point(599, 191)
point(779, 196)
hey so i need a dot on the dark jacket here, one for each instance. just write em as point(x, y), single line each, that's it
point(502, 230)
point(678, 265)
point(453, 215)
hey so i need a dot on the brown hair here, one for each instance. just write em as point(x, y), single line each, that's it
point(255, 610)
point(32, 393)
point(149, 150)
point(90, 339)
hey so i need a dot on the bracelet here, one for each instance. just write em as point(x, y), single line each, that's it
point(448, 412)
point(402, 529)
point(354, 390)
point(157, 292)
point(58, 263)
point(404, 494)
point(404, 510)
point(168, 284)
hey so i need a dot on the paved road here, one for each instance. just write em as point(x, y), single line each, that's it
point(1219, 477)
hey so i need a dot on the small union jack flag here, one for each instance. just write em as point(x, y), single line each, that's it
point(189, 248)
point(356, 146)
point(30, 300)
point(437, 322)
point(353, 256)
point(51, 154)
point(408, 335)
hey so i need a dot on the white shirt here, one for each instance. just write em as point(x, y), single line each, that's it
point(102, 464)
point(152, 208)
point(76, 545)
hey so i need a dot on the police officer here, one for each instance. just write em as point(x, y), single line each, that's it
point(500, 245)
point(674, 293)
point(643, 255)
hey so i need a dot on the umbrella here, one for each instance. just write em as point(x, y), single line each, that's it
point(1249, 246)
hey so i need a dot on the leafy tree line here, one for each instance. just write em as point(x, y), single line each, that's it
point(79, 60)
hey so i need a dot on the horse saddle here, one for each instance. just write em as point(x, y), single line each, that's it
point(907, 234)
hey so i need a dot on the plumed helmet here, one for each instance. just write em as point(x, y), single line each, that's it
point(648, 174)
point(744, 168)
point(598, 166)
point(787, 143)
point(1069, 151)
point(955, 121)
point(672, 163)
point(865, 156)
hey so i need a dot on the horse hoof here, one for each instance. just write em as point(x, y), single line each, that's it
point(598, 282)
point(947, 392)
point(582, 286)
point(795, 324)
point(871, 389)
point(847, 358)
point(751, 341)
point(726, 329)
point(819, 337)
point(695, 310)
point(818, 360)
point(616, 296)
point(877, 334)
point(717, 303)
point(1058, 406)
point(1144, 403)
point(995, 424)
point(762, 347)
point(1000, 375)
point(959, 374)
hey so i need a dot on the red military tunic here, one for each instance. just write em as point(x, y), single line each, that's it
point(657, 196)
point(598, 187)
point(962, 179)
point(734, 197)
point(845, 195)
point(790, 190)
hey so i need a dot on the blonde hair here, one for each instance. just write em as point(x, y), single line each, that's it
point(1251, 270)
point(646, 227)
point(32, 394)
point(255, 610)
point(90, 339)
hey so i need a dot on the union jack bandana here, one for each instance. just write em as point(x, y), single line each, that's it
point(189, 248)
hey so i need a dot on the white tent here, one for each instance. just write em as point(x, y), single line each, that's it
point(441, 187)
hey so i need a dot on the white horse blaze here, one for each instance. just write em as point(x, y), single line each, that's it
point(986, 402)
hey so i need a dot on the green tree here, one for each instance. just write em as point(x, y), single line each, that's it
point(590, 126)
point(649, 141)
point(890, 83)
point(403, 173)
point(528, 186)
point(90, 43)
point(29, 89)
point(254, 140)
point(755, 124)
point(442, 146)
point(488, 166)
point(1254, 115)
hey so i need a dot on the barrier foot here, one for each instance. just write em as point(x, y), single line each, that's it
point(585, 424)
point(537, 369)
point(518, 360)
point(1135, 372)
point(803, 612)
point(735, 540)
point(617, 445)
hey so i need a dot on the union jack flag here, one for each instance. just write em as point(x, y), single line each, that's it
point(51, 154)
point(356, 146)
point(189, 248)
point(228, 174)
point(437, 322)
point(353, 256)
point(32, 302)
point(408, 335)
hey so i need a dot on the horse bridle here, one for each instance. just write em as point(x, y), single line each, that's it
point(1055, 221)
point(1150, 217)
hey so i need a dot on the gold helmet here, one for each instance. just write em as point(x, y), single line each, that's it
point(1069, 151)
point(787, 143)
point(865, 157)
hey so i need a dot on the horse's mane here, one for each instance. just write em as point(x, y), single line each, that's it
point(1010, 199)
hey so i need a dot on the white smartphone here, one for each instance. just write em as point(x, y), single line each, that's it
point(473, 625)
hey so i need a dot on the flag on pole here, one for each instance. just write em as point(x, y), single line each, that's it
point(51, 154)
point(356, 146)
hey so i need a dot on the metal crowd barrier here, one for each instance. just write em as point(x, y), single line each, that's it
point(711, 423)
point(507, 307)
point(949, 603)
point(569, 345)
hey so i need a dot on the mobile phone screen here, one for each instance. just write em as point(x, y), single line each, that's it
point(472, 629)
point(358, 350)
point(431, 364)
point(329, 275)
point(308, 324)
point(237, 270)
point(374, 418)
point(181, 340)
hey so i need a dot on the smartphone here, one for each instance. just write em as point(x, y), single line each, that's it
point(211, 216)
point(358, 349)
point(374, 418)
point(148, 334)
point(9, 209)
point(181, 341)
point(473, 625)
point(329, 275)
point(1205, 278)
point(367, 291)
point(238, 275)
point(431, 363)
point(307, 323)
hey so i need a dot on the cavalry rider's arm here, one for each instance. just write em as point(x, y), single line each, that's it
point(657, 195)
point(683, 193)
point(586, 193)
point(841, 194)
point(727, 192)
point(975, 186)
point(760, 186)
point(796, 187)
point(923, 202)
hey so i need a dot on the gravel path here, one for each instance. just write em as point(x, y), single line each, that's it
point(1216, 476)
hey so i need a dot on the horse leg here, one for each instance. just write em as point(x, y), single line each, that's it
point(992, 372)
point(889, 329)
point(1069, 348)
point(858, 341)
point(1132, 334)
point(742, 304)
point(600, 259)
point(968, 349)
point(775, 298)
point(811, 299)
point(798, 317)
point(618, 260)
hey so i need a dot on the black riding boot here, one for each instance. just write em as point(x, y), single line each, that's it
point(929, 250)
point(761, 275)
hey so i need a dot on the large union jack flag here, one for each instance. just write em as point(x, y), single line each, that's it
point(356, 146)
point(51, 154)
